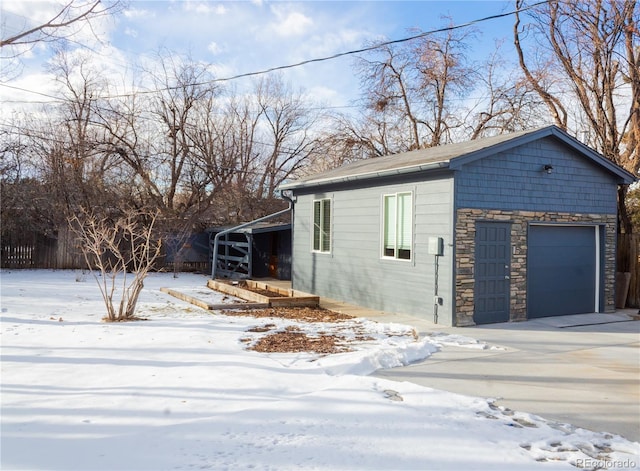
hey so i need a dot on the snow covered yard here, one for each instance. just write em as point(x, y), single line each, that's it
point(181, 391)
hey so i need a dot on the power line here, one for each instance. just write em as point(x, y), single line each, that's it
point(372, 47)
point(55, 98)
point(318, 59)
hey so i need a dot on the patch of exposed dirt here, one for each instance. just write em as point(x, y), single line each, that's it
point(264, 328)
point(292, 340)
point(307, 314)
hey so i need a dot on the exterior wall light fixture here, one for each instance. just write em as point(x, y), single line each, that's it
point(548, 168)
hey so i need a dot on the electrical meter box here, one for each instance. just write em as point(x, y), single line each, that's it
point(436, 246)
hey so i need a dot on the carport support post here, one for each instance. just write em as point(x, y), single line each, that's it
point(214, 258)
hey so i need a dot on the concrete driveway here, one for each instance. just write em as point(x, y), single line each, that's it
point(583, 370)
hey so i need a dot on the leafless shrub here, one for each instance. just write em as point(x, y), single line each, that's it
point(113, 248)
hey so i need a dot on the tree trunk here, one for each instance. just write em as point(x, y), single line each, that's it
point(625, 224)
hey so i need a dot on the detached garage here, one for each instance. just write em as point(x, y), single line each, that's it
point(500, 229)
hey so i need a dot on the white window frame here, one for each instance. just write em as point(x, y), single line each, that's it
point(322, 234)
point(397, 225)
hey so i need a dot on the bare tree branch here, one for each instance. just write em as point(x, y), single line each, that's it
point(555, 105)
point(57, 27)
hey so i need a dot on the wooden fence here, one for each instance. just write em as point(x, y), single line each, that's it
point(33, 250)
point(629, 260)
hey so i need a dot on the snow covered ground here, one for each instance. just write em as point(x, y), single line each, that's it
point(180, 391)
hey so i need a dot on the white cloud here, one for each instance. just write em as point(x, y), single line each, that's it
point(323, 94)
point(220, 10)
point(21, 101)
point(291, 23)
point(131, 32)
point(205, 8)
point(31, 13)
point(135, 13)
point(215, 48)
point(222, 70)
point(331, 42)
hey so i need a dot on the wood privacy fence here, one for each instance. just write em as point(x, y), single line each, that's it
point(629, 250)
point(34, 250)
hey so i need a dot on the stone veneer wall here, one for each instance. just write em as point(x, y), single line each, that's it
point(465, 249)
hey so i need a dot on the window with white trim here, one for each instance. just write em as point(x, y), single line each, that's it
point(397, 226)
point(322, 225)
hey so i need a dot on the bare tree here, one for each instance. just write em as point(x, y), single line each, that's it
point(226, 154)
point(128, 140)
point(412, 92)
point(388, 97)
point(445, 77)
point(183, 84)
point(288, 143)
point(508, 102)
point(594, 49)
point(158, 140)
point(63, 23)
point(27, 205)
point(115, 246)
point(246, 145)
point(633, 201)
point(79, 164)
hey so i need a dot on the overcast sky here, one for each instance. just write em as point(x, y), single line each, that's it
point(237, 37)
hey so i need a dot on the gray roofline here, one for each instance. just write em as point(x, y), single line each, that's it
point(456, 162)
point(624, 175)
point(365, 175)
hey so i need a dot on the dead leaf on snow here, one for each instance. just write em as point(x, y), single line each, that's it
point(294, 341)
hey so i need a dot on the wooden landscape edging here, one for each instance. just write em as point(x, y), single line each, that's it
point(212, 307)
point(288, 298)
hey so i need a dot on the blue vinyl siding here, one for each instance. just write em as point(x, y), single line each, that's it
point(355, 270)
point(514, 180)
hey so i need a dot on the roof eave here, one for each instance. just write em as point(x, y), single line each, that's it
point(365, 176)
point(625, 177)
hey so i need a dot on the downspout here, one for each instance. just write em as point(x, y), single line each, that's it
point(216, 239)
point(288, 195)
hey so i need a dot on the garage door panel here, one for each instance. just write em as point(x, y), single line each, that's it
point(561, 270)
point(556, 256)
point(558, 272)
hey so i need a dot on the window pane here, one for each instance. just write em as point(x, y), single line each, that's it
point(397, 225)
point(326, 225)
point(389, 225)
point(316, 225)
point(404, 222)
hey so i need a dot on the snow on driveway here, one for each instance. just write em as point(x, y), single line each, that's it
point(180, 391)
